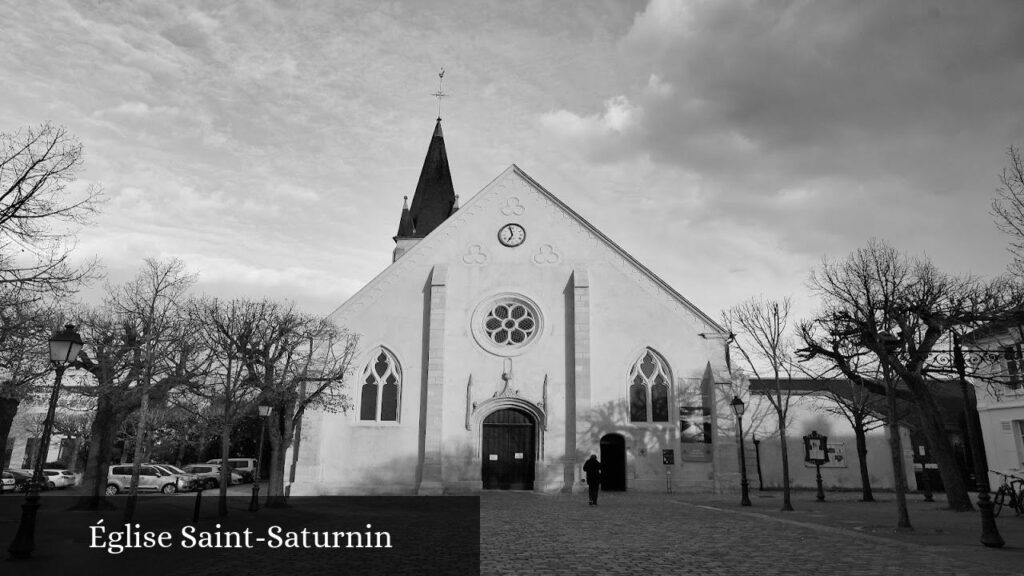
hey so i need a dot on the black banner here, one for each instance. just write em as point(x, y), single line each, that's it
point(312, 535)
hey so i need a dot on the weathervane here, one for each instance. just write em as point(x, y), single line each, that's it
point(439, 94)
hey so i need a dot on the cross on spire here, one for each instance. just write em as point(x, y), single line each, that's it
point(440, 93)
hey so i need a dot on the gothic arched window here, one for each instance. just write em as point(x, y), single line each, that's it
point(649, 380)
point(381, 388)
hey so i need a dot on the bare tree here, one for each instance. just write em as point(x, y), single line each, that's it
point(152, 304)
point(25, 326)
point(39, 211)
point(901, 310)
point(1008, 206)
point(135, 347)
point(229, 332)
point(864, 412)
point(302, 361)
point(760, 328)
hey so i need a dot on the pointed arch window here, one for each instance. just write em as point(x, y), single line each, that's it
point(649, 380)
point(381, 388)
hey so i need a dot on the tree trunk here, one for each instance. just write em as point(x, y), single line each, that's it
point(896, 451)
point(180, 456)
point(787, 503)
point(140, 443)
point(8, 409)
point(225, 468)
point(862, 456)
point(101, 443)
point(280, 433)
point(275, 484)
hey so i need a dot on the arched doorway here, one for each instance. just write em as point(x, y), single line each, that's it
point(613, 462)
point(509, 450)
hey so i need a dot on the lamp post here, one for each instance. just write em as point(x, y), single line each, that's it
point(64, 348)
point(737, 407)
point(254, 504)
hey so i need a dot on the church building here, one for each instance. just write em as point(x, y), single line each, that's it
point(507, 342)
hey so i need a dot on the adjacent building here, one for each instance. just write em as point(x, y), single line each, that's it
point(999, 384)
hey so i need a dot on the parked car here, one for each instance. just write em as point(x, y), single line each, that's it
point(7, 482)
point(21, 479)
point(193, 480)
point(59, 478)
point(209, 474)
point(151, 479)
point(244, 466)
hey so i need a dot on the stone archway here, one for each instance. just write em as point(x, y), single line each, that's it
point(508, 450)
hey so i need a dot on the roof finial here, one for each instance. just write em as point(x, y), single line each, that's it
point(440, 93)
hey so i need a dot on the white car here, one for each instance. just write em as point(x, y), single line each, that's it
point(151, 479)
point(8, 482)
point(209, 474)
point(58, 478)
point(246, 467)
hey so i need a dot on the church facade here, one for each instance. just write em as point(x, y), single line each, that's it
point(508, 341)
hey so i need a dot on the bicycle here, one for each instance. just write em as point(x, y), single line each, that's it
point(1010, 493)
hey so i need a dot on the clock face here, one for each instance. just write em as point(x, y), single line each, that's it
point(512, 235)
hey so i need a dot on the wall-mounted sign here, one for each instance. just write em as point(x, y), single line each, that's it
point(493, 457)
point(519, 456)
point(668, 457)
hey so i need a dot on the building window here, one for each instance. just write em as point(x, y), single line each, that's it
point(1014, 367)
point(381, 388)
point(648, 388)
point(507, 324)
point(510, 323)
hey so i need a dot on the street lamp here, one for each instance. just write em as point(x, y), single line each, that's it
point(64, 348)
point(254, 503)
point(737, 407)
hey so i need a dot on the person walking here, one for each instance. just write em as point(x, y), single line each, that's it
point(592, 468)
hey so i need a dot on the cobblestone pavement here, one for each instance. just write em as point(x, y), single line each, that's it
point(525, 533)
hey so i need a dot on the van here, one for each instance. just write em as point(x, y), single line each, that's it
point(245, 466)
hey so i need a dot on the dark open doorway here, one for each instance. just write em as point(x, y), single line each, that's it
point(613, 462)
point(509, 450)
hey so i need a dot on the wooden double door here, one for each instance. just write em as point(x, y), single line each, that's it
point(509, 450)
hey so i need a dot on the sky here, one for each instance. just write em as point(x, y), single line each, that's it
point(728, 145)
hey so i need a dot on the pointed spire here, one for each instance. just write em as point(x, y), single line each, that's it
point(405, 225)
point(435, 195)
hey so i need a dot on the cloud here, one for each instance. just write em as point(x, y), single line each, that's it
point(597, 134)
point(828, 120)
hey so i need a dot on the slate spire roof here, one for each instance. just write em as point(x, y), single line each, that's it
point(435, 196)
point(405, 227)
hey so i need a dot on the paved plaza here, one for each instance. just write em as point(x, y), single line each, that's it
point(628, 533)
point(663, 534)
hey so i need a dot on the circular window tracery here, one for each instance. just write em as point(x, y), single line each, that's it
point(506, 324)
point(510, 324)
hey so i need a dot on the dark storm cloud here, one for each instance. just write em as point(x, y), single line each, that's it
point(795, 90)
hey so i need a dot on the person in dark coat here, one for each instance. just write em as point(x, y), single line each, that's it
point(592, 468)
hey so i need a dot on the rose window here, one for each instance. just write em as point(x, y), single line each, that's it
point(510, 324)
point(507, 324)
